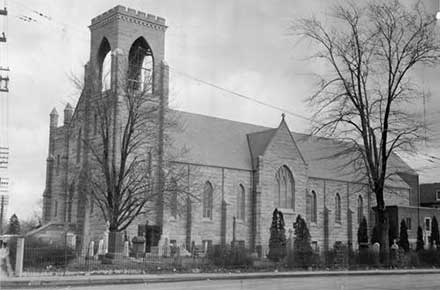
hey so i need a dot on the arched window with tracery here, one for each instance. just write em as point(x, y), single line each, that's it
point(241, 202)
point(140, 66)
point(311, 207)
point(207, 200)
point(285, 188)
point(105, 65)
point(360, 208)
point(338, 208)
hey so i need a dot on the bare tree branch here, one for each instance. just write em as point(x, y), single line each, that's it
point(371, 50)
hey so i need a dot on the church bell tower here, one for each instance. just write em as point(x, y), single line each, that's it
point(128, 46)
point(127, 53)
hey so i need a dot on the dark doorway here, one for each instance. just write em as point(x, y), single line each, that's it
point(151, 234)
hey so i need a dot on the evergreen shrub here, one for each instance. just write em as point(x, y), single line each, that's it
point(302, 255)
point(277, 240)
point(403, 236)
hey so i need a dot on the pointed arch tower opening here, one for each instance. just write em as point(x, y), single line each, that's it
point(140, 66)
point(104, 65)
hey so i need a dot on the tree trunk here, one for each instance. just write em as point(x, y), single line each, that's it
point(383, 229)
point(115, 243)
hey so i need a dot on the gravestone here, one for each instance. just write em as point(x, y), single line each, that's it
point(166, 248)
point(91, 251)
point(126, 251)
point(101, 247)
point(71, 240)
point(138, 246)
point(376, 253)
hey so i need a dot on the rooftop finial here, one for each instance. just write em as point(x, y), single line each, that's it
point(53, 118)
point(283, 115)
point(54, 112)
point(68, 112)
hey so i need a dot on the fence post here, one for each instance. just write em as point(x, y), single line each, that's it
point(19, 257)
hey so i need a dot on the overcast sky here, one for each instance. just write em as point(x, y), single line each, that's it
point(244, 46)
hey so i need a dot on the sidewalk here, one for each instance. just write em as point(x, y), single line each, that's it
point(59, 281)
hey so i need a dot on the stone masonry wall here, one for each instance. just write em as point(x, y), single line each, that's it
point(57, 181)
point(225, 183)
point(349, 192)
point(121, 27)
point(281, 151)
point(326, 191)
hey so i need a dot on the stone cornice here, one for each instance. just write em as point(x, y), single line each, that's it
point(129, 15)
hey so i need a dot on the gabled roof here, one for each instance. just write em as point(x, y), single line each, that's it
point(213, 141)
point(327, 158)
point(225, 143)
point(258, 142)
point(330, 158)
point(396, 164)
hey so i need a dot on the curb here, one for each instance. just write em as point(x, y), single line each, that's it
point(40, 283)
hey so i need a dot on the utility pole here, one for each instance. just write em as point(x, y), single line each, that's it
point(3, 205)
point(4, 68)
point(4, 94)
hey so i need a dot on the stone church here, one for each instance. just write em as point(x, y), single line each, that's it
point(244, 171)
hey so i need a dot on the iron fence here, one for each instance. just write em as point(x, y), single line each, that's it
point(63, 261)
point(59, 260)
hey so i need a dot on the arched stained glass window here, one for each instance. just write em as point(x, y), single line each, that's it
point(207, 200)
point(338, 208)
point(311, 207)
point(285, 188)
point(360, 208)
point(241, 202)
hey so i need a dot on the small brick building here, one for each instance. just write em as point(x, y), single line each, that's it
point(430, 194)
point(245, 171)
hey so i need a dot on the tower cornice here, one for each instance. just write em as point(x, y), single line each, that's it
point(129, 15)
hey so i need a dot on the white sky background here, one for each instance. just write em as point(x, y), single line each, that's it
point(240, 45)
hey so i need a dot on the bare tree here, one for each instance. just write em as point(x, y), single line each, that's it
point(130, 168)
point(367, 96)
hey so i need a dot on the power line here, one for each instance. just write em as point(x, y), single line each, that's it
point(51, 19)
point(47, 17)
point(4, 115)
point(32, 10)
point(26, 18)
point(4, 78)
point(242, 96)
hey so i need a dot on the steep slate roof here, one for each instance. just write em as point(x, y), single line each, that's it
point(225, 143)
point(213, 141)
point(327, 158)
point(258, 142)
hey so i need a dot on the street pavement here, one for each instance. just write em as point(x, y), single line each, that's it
point(380, 282)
